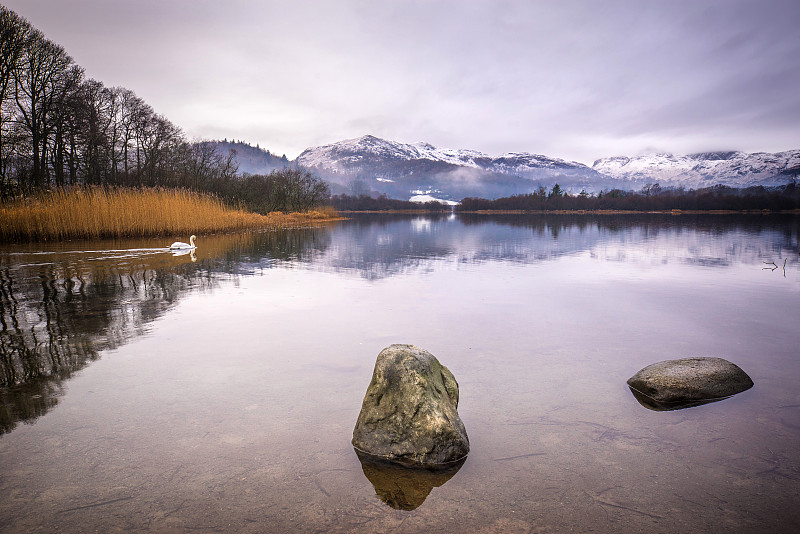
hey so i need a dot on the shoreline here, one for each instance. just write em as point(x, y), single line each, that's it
point(279, 221)
point(631, 212)
point(579, 212)
point(292, 222)
point(396, 212)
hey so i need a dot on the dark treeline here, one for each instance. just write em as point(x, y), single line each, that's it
point(649, 198)
point(60, 129)
point(382, 203)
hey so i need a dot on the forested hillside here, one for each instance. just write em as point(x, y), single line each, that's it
point(250, 159)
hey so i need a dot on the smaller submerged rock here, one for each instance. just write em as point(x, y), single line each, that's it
point(409, 412)
point(675, 384)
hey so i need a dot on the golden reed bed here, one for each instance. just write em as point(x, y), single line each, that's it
point(94, 213)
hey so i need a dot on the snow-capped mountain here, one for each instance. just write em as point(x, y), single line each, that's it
point(343, 156)
point(399, 169)
point(735, 169)
point(370, 165)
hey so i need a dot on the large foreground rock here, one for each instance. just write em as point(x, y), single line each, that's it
point(675, 384)
point(409, 411)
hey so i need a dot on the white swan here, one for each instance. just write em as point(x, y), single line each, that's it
point(179, 245)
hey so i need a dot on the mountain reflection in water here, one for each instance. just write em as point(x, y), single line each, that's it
point(60, 308)
point(381, 246)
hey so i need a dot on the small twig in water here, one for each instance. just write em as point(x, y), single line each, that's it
point(520, 456)
point(103, 503)
point(321, 488)
point(628, 508)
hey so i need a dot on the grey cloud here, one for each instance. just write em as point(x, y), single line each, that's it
point(572, 79)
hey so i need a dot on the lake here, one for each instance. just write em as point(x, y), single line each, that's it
point(218, 391)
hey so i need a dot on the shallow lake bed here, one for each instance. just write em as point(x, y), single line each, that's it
point(220, 394)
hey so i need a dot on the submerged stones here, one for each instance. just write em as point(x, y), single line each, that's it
point(409, 412)
point(675, 384)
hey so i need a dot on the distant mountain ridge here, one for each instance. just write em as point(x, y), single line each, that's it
point(400, 169)
point(736, 169)
point(371, 165)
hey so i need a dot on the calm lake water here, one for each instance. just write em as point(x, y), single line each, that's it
point(143, 391)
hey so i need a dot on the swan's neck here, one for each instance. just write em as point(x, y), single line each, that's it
point(191, 241)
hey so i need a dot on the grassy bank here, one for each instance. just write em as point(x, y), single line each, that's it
point(93, 213)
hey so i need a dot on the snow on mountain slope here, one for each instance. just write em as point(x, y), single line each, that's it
point(339, 156)
point(736, 169)
point(520, 162)
point(371, 164)
point(369, 149)
point(398, 169)
point(422, 199)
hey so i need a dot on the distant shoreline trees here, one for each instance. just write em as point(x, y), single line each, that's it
point(290, 189)
point(364, 202)
point(652, 197)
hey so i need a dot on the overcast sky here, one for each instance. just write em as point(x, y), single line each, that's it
point(572, 79)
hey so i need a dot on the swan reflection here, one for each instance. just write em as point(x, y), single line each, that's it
point(186, 251)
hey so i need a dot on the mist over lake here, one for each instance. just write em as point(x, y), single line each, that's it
point(218, 390)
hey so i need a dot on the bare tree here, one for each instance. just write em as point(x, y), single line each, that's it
point(36, 89)
point(14, 31)
point(204, 164)
point(298, 189)
point(160, 140)
point(57, 128)
point(64, 125)
point(97, 119)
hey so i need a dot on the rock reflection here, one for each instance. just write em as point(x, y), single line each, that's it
point(404, 488)
point(60, 309)
point(656, 406)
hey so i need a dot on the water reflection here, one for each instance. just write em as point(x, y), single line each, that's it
point(381, 246)
point(404, 488)
point(652, 404)
point(183, 252)
point(60, 308)
point(191, 433)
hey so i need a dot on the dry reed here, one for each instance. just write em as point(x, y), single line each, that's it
point(93, 213)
